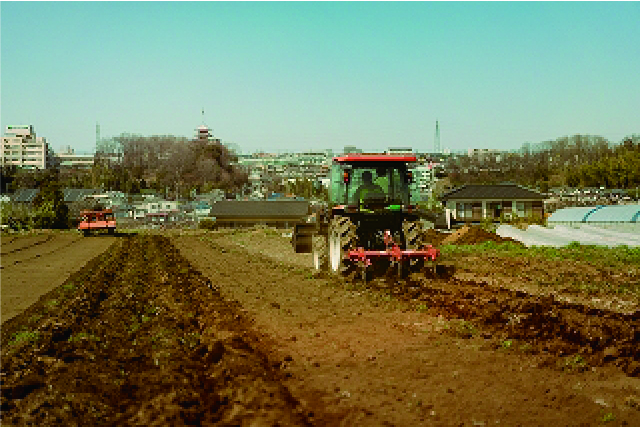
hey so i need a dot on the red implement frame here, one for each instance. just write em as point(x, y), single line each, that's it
point(393, 252)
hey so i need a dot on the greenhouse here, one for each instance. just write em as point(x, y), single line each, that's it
point(597, 225)
point(618, 218)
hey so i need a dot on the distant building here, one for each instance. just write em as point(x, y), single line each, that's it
point(399, 151)
point(203, 133)
point(21, 147)
point(349, 149)
point(473, 203)
point(68, 158)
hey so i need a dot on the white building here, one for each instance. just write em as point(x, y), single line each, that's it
point(21, 147)
point(423, 177)
point(68, 158)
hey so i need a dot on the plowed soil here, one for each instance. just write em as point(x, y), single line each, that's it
point(34, 264)
point(138, 337)
point(233, 328)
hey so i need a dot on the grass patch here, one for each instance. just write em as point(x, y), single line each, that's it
point(35, 318)
point(422, 308)
point(600, 256)
point(22, 336)
point(80, 336)
point(462, 328)
point(572, 363)
point(68, 287)
point(608, 417)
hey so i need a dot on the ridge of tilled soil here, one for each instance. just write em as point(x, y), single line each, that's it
point(547, 325)
point(139, 337)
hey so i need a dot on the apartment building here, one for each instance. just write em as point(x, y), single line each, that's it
point(21, 147)
point(67, 158)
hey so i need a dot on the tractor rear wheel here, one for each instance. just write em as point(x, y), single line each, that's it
point(413, 232)
point(414, 240)
point(342, 238)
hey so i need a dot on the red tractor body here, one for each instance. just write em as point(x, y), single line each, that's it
point(97, 220)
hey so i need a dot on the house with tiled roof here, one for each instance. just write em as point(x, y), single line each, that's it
point(25, 195)
point(473, 203)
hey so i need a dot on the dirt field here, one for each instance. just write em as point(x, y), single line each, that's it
point(34, 264)
point(232, 328)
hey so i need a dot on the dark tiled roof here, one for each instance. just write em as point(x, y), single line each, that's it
point(259, 209)
point(498, 192)
point(77, 194)
point(25, 195)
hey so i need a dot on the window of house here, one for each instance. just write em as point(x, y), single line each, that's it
point(477, 210)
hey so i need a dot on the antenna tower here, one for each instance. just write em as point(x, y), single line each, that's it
point(437, 140)
point(97, 135)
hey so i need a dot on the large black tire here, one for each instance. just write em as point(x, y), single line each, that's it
point(320, 253)
point(341, 238)
point(414, 240)
point(413, 232)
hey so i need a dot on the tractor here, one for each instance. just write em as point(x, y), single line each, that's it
point(370, 220)
point(97, 219)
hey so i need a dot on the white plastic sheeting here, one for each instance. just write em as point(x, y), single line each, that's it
point(558, 236)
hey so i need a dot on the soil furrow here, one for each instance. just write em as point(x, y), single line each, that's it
point(138, 337)
point(22, 244)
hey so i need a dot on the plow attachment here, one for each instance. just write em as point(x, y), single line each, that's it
point(402, 259)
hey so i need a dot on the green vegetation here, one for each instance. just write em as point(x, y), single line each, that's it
point(572, 363)
point(574, 161)
point(191, 340)
point(620, 256)
point(462, 328)
point(608, 417)
point(22, 336)
point(80, 336)
point(422, 308)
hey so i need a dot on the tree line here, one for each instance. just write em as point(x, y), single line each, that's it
point(576, 161)
point(173, 166)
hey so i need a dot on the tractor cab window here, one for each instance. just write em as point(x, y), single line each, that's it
point(364, 187)
point(351, 184)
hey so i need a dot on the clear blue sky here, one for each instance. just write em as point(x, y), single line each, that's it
point(305, 76)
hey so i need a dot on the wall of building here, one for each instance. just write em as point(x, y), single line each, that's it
point(21, 147)
point(475, 210)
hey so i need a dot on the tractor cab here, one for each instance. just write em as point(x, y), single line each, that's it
point(371, 182)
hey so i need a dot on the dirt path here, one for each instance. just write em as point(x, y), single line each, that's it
point(368, 360)
point(33, 265)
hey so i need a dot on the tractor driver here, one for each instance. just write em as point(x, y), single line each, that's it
point(381, 179)
point(368, 188)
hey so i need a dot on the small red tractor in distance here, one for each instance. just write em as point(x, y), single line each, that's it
point(95, 220)
point(370, 220)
